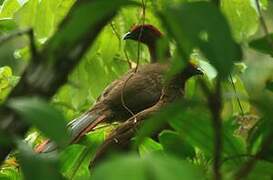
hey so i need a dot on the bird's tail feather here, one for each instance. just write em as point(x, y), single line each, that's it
point(77, 128)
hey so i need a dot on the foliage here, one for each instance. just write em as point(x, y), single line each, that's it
point(227, 41)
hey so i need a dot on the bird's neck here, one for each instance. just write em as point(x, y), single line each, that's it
point(153, 50)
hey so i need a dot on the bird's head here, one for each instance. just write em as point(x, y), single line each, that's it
point(192, 69)
point(147, 34)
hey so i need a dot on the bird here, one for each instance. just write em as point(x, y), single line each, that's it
point(133, 92)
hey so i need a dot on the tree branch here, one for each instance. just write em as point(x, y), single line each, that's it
point(215, 104)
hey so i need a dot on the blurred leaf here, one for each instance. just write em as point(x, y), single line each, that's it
point(195, 28)
point(40, 114)
point(8, 8)
point(149, 146)
point(25, 17)
point(10, 174)
point(7, 81)
point(37, 167)
point(269, 85)
point(242, 17)
point(195, 125)
point(7, 25)
point(262, 44)
point(173, 144)
point(232, 96)
point(262, 131)
point(70, 160)
point(43, 16)
point(76, 158)
point(149, 167)
point(262, 170)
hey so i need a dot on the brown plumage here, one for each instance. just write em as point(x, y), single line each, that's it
point(141, 89)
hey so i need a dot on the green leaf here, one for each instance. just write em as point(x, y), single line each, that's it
point(262, 170)
point(7, 81)
point(26, 15)
point(195, 126)
point(242, 17)
point(149, 167)
point(10, 174)
point(71, 159)
point(40, 114)
point(37, 167)
point(196, 28)
point(262, 44)
point(269, 85)
point(76, 158)
point(43, 16)
point(8, 8)
point(149, 146)
point(7, 25)
point(174, 144)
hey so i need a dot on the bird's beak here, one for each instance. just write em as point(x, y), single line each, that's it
point(128, 35)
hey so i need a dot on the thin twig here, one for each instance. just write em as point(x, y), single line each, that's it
point(136, 68)
point(119, 38)
point(122, 95)
point(263, 23)
point(237, 156)
point(116, 33)
point(237, 98)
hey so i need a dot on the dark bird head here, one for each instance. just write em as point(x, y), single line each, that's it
point(192, 70)
point(148, 35)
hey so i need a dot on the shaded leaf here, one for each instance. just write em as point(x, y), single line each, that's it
point(269, 85)
point(242, 17)
point(37, 167)
point(174, 144)
point(40, 114)
point(195, 28)
point(149, 167)
point(75, 159)
point(262, 45)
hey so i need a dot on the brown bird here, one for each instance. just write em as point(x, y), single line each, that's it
point(133, 92)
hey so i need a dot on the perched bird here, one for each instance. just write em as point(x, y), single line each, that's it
point(133, 92)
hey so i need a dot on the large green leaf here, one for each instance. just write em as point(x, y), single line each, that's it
point(76, 158)
point(149, 167)
point(263, 44)
point(40, 114)
point(174, 144)
point(201, 25)
point(7, 25)
point(37, 167)
point(242, 17)
point(196, 126)
point(8, 8)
